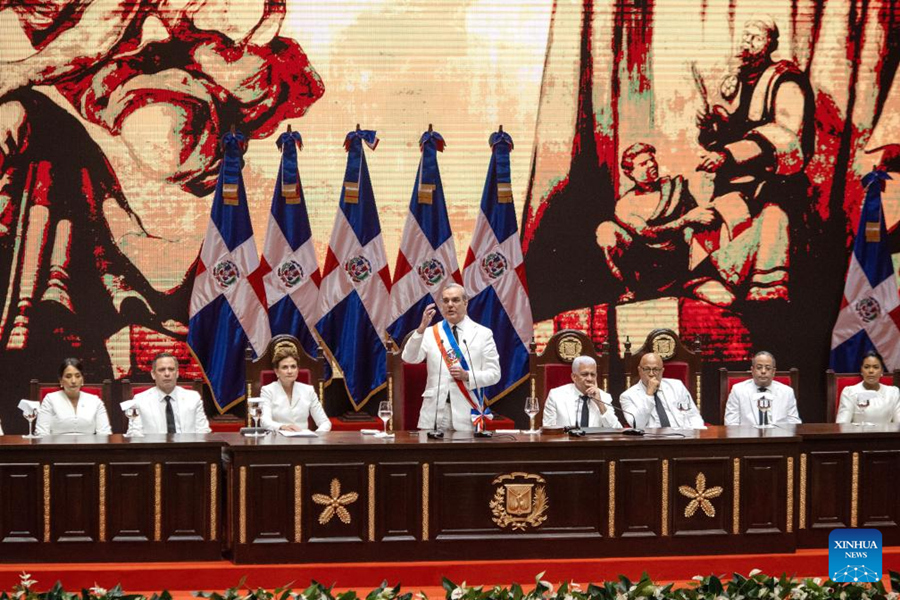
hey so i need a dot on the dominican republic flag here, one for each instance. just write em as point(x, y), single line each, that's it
point(870, 311)
point(228, 304)
point(427, 258)
point(292, 285)
point(354, 297)
point(494, 273)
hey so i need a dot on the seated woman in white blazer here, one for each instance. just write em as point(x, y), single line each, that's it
point(286, 403)
point(71, 411)
point(884, 406)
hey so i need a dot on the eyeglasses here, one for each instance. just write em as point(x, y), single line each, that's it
point(652, 370)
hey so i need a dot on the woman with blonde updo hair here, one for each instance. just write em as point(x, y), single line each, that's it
point(286, 403)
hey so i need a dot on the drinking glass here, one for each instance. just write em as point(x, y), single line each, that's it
point(385, 412)
point(764, 403)
point(254, 409)
point(862, 403)
point(31, 416)
point(132, 414)
point(532, 408)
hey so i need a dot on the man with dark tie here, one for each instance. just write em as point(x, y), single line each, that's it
point(461, 357)
point(658, 402)
point(168, 407)
point(580, 403)
point(743, 408)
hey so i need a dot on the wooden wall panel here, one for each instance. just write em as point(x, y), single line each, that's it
point(21, 502)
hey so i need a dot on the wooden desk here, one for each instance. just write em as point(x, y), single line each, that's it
point(347, 497)
point(107, 498)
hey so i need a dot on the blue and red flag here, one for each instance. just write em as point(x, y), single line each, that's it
point(354, 296)
point(494, 272)
point(869, 318)
point(292, 285)
point(228, 303)
point(427, 258)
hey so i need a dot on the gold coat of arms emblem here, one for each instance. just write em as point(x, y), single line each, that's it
point(520, 501)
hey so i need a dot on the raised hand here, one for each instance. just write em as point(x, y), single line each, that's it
point(427, 316)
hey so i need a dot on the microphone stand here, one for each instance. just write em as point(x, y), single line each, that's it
point(577, 431)
point(437, 434)
point(483, 433)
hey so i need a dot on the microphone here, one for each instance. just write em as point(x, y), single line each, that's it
point(437, 434)
point(577, 431)
point(484, 432)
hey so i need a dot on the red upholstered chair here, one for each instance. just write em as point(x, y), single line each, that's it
point(38, 389)
point(406, 383)
point(727, 379)
point(553, 367)
point(836, 382)
point(680, 361)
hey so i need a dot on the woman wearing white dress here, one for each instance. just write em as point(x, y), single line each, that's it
point(71, 411)
point(883, 408)
point(286, 403)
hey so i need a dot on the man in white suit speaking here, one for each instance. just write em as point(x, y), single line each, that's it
point(580, 403)
point(461, 357)
point(168, 407)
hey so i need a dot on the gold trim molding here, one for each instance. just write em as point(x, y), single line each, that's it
point(736, 498)
point(47, 503)
point(242, 505)
point(612, 499)
point(101, 501)
point(298, 504)
point(665, 498)
point(425, 499)
point(802, 514)
point(213, 501)
point(371, 503)
point(789, 526)
point(157, 502)
point(854, 491)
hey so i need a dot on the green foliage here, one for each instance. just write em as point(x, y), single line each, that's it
point(755, 586)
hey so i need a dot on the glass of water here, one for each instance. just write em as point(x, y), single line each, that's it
point(532, 408)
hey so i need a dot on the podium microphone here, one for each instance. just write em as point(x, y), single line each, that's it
point(437, 434)
point(483, 433)
point(577, 431)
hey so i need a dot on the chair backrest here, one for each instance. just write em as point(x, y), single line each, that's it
point(681, 362)
point(727, 380)
point(406, 383)
point(260, 372)
point(836, 382)
point(553, 367)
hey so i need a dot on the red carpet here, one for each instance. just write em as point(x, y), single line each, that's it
point(362, 577)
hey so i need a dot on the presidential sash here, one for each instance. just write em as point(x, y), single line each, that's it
point(478, 411)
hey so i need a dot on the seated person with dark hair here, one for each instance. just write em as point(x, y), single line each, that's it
point(882, 402)
point(71, 411)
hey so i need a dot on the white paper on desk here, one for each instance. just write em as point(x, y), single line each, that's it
point(370, 431)
point(502, 431)
point(304, 433)
point(29, 406)
point(128, 404)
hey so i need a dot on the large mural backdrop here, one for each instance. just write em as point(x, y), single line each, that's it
point(693, 164)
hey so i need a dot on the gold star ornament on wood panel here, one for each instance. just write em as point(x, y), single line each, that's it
point(700, 497)
point(335, 503)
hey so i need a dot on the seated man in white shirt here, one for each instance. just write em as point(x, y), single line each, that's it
point(742, 407)
point(168, 407)
point(580, 403)
point(658, 402)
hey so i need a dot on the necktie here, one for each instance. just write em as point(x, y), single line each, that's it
point(585, 412)
point(763, 419)
point(455, 334)
point(661, 411)
point(170, 415)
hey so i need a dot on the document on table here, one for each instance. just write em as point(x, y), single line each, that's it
point(304, 433)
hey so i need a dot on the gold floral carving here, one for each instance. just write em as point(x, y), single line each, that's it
point(802, 515)
point(371, 503)
point(157, 502)
point(213, 501)
point(102, 503)
point(612, 498)
point(520, 501)
point(298, 504)
point(334, 503)
point(425, 500)
point(664, 518)
point(700, 497)
point(854, 490)
point(569, 348)
point(47, 503)
point(736, 499)
point(790, 495)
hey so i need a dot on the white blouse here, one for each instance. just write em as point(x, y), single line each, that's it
point(278, 410)
point(56, 416)
point(885, 408)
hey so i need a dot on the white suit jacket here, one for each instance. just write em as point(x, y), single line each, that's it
point(741, 407)
point(564, 405)
point(636, 401)
point(188, 407)
point(57, 417)
point(885, 408)
point(278, 410)
point(484, 365)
